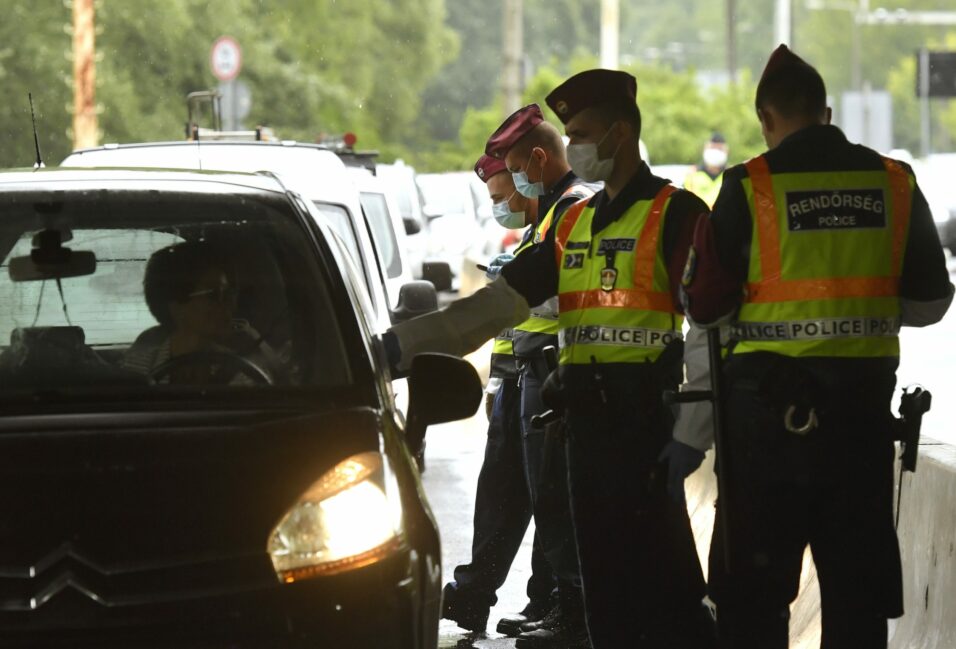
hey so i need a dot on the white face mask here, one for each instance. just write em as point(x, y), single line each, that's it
point(524, 186)
point(715, 158)
point(505, 217)
point(585, 163)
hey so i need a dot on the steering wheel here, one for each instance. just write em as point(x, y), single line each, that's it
point(225, 359)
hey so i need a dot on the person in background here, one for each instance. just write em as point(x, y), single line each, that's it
point(705, 178)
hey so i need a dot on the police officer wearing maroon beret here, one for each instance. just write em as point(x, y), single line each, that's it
point(816, 252)
point(537, 162)
point(615, 263)
point(503, 507)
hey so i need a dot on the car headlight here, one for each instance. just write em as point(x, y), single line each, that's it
point(349, 518)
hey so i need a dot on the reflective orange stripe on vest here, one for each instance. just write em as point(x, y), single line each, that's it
point(616, 299)
point(565, 226)
point(771, 288)
point(902, 205)
point(646, 253)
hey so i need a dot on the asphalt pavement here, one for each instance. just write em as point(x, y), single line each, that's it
point(453, 460)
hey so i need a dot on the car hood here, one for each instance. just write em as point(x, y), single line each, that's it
point(126, 494)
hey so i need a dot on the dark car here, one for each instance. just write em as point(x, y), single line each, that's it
point(198, 442)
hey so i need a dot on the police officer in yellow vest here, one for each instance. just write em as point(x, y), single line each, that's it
point(503, 507)
point(706, 177)
point(817, 250)
point(536, 157)
point(615, 263)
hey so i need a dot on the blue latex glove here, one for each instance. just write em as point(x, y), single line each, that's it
point(682, 460)
point(496, 264)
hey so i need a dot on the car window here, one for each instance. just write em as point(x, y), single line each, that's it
point(383, 234)
point(339, 219)
point(216, 291)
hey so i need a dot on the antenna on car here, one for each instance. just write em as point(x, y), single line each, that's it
point(36, 139)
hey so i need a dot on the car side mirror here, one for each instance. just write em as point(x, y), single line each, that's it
point(415, 299)
point(438, 273)
point(431, 212)
point(412, 225)
point(441, 388)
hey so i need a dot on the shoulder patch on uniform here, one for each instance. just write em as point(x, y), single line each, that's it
point(574, 260)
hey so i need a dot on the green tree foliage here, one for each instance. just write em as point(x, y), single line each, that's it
point(420, 79)
point(33, 45)
point(678, 114)
point(313, 66)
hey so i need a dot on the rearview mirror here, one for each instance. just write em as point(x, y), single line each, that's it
point(438, 273)
point(441, 388)
point(50, 260)
point(415, 299)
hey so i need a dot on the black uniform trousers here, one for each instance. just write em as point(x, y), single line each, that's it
point(641, 576)
point(547, 476)
point(502, 511)
point(831, 488)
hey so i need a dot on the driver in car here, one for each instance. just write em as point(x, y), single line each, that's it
point(190, 288)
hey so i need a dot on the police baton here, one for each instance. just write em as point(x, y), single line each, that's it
point(715, 396)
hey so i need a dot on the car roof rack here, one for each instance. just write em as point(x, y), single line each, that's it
point(344, 147)
point(195, 101)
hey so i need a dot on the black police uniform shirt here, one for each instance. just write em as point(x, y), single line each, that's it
point(534, 273)
point(819, 149)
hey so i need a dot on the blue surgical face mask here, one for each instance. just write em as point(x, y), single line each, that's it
point(524, 186)
point(505, 217)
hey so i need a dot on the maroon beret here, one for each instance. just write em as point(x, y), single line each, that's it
point(486, 167)
point(518, 124)
point(591, 88)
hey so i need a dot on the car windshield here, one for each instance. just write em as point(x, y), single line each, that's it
point(186, 291)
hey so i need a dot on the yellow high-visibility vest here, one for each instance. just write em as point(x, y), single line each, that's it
point(825, 261)
point(614, 296)
point(699, 182)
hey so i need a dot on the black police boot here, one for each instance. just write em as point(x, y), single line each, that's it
point(549, 619)
point(511, 625)
point(563, 628)
point(565, 633)
point(467, 614)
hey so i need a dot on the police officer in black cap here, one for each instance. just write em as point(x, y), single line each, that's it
point(816, 252)
point(615, 263)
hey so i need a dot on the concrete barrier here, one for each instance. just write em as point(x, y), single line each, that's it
point(927, 535)
point(927, 543)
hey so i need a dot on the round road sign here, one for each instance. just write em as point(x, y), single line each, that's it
point(225, 58)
